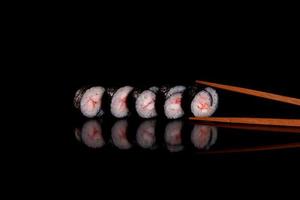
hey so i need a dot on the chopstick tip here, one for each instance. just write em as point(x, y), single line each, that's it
point(201, 82)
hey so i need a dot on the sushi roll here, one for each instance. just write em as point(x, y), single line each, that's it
point(78, 96)
point(145, 103)
point(204, 103)
point(173, 99)
point(118, 106)
point(203, 137)
point(176, 89)
point(89, 101)
point(120, 102)
point(146, 134)
point(119, 135)
point(173, 136)
point(91, 134)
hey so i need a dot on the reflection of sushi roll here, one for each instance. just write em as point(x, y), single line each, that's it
point(146, 134)
point(172, 106)
point(91, 134)
point(89, 101)
point(146, 102)
point(203, 137)
point(119, 134)
point(204, 103)
point(77, 134)
point(118, 104)
point(173, 135)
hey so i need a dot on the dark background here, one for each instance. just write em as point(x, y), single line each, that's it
point(261, 59)
point(255, 53)
point(258, 56)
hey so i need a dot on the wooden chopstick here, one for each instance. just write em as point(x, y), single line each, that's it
point(277, 129)
point(255, 149)
point(246, 120)
point(266, 95)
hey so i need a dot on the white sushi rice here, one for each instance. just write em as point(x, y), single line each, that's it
point(172, 106)
point(91, 134)
point(118, 106)
point(119, 134)
point(205, 103)
point(145, 104)
point(154, 89)
point(176, 89)
point(146, 134)
point(203, 137)
point(215, 99)
point(90, 104)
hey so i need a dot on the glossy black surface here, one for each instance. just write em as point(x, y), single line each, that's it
point(134, 136)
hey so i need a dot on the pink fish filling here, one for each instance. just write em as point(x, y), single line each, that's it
point(172, 107)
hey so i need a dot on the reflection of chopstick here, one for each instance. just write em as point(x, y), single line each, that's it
point(255, 121)
point(285, 129)
point(251, 92)
point(254, 149)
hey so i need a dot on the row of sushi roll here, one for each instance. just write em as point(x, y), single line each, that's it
point(94, 135)
point(172, 102)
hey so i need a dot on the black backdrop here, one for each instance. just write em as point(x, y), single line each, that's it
point(257, 62)
point(262, 63)
point(62, 51)
point(258, 57)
